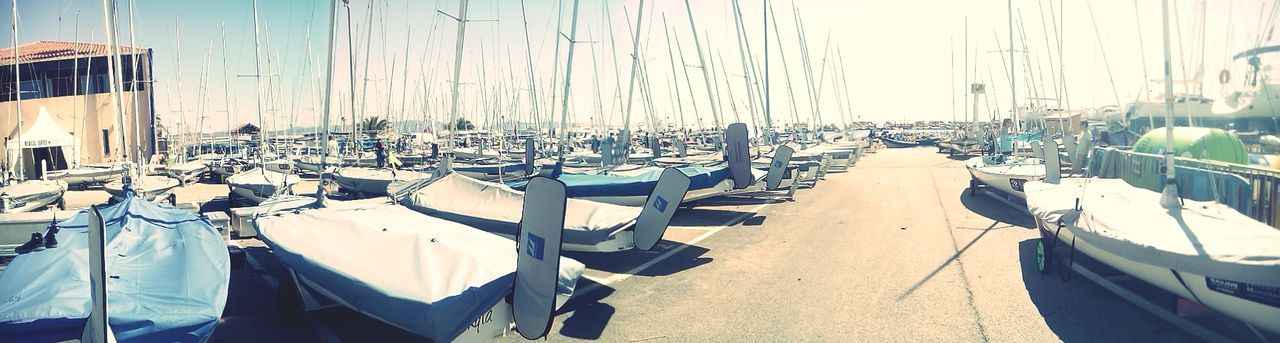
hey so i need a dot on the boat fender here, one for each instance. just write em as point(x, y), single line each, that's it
point(1224, 77)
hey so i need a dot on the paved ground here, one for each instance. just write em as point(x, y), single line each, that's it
point(893, 250)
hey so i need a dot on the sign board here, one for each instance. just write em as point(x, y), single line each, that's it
point(660, 207)
point(738, 153)
point(538, 261)
point(777, 167)
point(96, 329)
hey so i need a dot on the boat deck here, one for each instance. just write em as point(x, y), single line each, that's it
point(895, 249)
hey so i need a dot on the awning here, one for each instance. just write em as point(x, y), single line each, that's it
point(44, 132)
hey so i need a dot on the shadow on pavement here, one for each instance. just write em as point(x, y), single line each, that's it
point(590, 316)
point(985, 206)
point(704, 217)
point(626, 261)
point(1079, 310)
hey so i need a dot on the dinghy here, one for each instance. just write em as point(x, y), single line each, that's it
point(1202, 250)
point(1008, 175)
point(186, 172)
point(30, 195)
point(311, 164)
point(436, 278)
point(363, 182)
point(168, 275)
point(147, 187)
point(255, 186)
point(588, 226)
point(894, 143)
point(87, 175)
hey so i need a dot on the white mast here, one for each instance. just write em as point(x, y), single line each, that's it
point(446, 164)
point(706, 74)
point(114, 66)
point(226, 86)
point(625, 136)
point(17, 88)
point(1169, 198)
point(328, 94)
point(568, 71)
point(257, 69)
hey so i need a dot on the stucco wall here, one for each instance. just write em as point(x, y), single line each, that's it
point(85, 117)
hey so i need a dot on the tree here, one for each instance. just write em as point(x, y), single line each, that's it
point(375, 124)
point(462, 124)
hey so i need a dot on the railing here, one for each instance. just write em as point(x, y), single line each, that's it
point(1252, 190)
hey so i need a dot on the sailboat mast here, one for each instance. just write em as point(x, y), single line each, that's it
point(17, 87)
point(133, 57)
point(568, 71)
point(1013, 72)
point(328, 95)
point(706, 74)
point(625, 136)
point(226, 86)
point(109, 14)
point(457, 74)
point(262, 141)
point(1169, 198)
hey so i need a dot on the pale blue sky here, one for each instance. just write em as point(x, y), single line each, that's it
point(897, 53)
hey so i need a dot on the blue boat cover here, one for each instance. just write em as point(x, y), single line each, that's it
point(640, 184)
point(168, 271)
point(426, 275)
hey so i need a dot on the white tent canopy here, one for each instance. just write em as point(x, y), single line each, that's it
point(43, 133)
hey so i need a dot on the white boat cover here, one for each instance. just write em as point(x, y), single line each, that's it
point(27, 195)
point(371, 181)
point(146, 186)
point(496, 208)
point(427, 275)
point(1204, 238)
point(263, 183)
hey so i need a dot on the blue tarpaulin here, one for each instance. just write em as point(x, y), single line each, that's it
point(167, 276)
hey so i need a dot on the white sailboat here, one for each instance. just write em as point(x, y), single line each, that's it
point(1203, 251)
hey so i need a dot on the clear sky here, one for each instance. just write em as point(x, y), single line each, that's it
point(897, 55)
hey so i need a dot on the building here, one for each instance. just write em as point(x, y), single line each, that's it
point(68, 114)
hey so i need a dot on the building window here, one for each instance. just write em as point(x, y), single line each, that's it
point(106, 142)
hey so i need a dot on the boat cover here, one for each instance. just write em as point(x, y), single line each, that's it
point(264, 183)
point(637, 184)
point(1203, 237)
point(373, 181)
point(496, 208)
point(169, 270)
point(430, 276)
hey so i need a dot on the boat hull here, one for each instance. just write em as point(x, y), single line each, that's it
point(1257, 314)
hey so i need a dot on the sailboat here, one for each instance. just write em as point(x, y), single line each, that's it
point(148, 187)
point(168, 274)
point(1199, 250)
point(436, 278)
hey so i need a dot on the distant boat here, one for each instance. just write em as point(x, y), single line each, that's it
point(255, 186)
point(147, 187)
point(894, 143)
point(29, 195)
point(87, 175)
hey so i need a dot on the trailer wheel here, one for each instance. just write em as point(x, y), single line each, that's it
point(62, 203)
point(973, 187)
point(288, 304)
point(1044, 257)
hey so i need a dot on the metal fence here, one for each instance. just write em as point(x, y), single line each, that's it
point(1252, 190)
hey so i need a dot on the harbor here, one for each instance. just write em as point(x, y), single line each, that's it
point(490, 171)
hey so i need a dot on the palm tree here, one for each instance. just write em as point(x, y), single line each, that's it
point(375, 124)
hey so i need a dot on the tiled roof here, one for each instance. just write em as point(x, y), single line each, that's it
point(46, 50)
